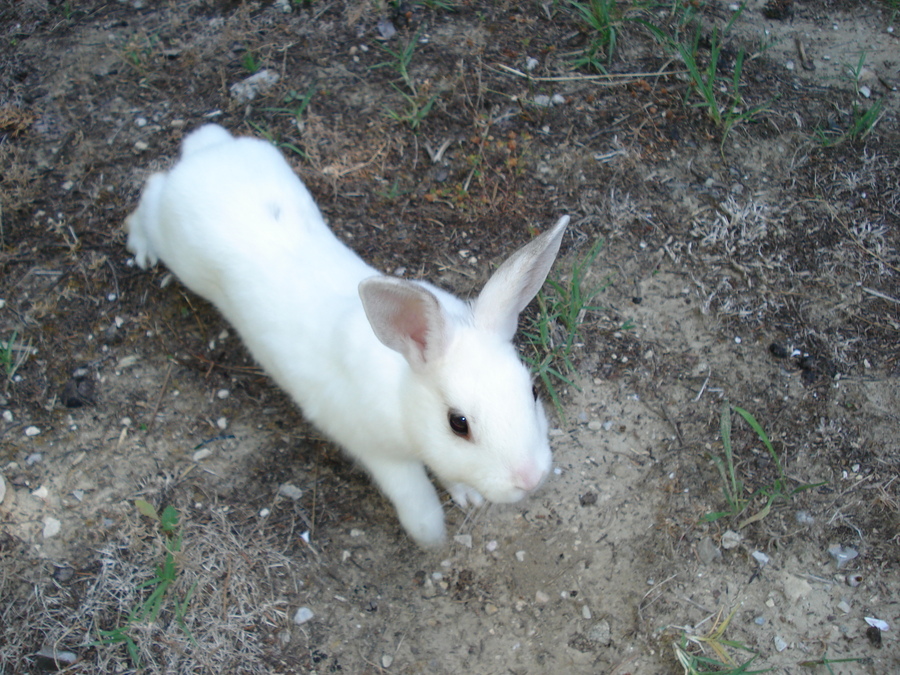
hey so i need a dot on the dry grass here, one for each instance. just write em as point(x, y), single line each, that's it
point(245, 593)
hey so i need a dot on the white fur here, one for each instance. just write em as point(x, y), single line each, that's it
point(376, 362)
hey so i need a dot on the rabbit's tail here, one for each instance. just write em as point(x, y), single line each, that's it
point(204, 137)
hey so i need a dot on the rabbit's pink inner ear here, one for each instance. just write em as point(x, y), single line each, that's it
point(517, 281)
point(405, 317)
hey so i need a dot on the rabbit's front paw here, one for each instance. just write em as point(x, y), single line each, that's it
point(465, 494)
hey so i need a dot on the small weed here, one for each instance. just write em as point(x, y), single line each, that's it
point(723, 663)
point(13, 356)
point(166, 575)
point(417, 105)
point(552, 334)
point(601, 19)
point(864, 119)
point(733, 487)
point(825, 661)
point(284, 145)
point(719, 95)
point(250, 62)
point(296, 103)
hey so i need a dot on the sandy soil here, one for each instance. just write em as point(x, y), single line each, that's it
point(760, 270)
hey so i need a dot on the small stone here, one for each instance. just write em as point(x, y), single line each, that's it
point(587, 499)
point(708, 551)
point(356, 532)
point(223, 394)
point(2, 488)
point(780, 644)
point(491, 546)
point(877, 623)
point(201, 454)
point(586, 612)
point(303, 615)
point(51, 527)
point(844, 606)
point(542, 100)
point(558, 99)
point(520, 556)
point(140, 146)
point(222, 423)
point(7, 416)
point(34, 458)
point(32, 431)
point(760, 557)
point(264, 513)
point(290, 491)
point(541, 598)
point(595, 425)
point(249, 88)
point(600, 633)
point(42, 492)
point(386, 660)
point(463, 540)
point(490, 609)
point(842, 555)
point(731, 539)
point(531, 63)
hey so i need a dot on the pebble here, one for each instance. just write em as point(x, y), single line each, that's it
point(42, 492)
point(2, 488)
point(780, 644)
point(708, 551)
point(842, 555)
point(877, 623)
point(586, 612)
point(303, 615)
point(491, 546)
point(51, 527)
point(387, 660)
point(541, 598)
point(844, 606)
point(34, 458)
point(600, 633)
point(463, 540)
point(290, 491)
point(7, 416)
point(264, 513)
point(595, 425)
point(32, 431)
point(520, 556)
point(258, 83)
point(542, 100)
point(731, 539)
point(139, 146)
point(796, 588)
point(490, 609)
point(531, 63)
point(223, 393)
point(222, 423)
point(201, 454)
point(760, 557)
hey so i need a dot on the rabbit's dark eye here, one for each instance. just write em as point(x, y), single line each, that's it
point(459, 424)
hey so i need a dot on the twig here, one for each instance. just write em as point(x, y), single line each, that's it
point(162, 391)
point(879, 294)
point(610, 78)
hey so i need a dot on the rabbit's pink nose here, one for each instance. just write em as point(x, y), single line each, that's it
point(529, 477)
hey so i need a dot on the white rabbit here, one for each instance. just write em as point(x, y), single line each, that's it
point(400, 373)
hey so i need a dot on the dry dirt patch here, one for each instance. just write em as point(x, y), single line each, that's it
point(762, 271)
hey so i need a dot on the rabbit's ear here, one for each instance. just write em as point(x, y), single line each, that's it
point(517, 281)
point(406, 317)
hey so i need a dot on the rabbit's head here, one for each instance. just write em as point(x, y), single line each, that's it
point(470, 403)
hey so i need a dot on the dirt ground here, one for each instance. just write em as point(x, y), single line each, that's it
point(760, 270)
